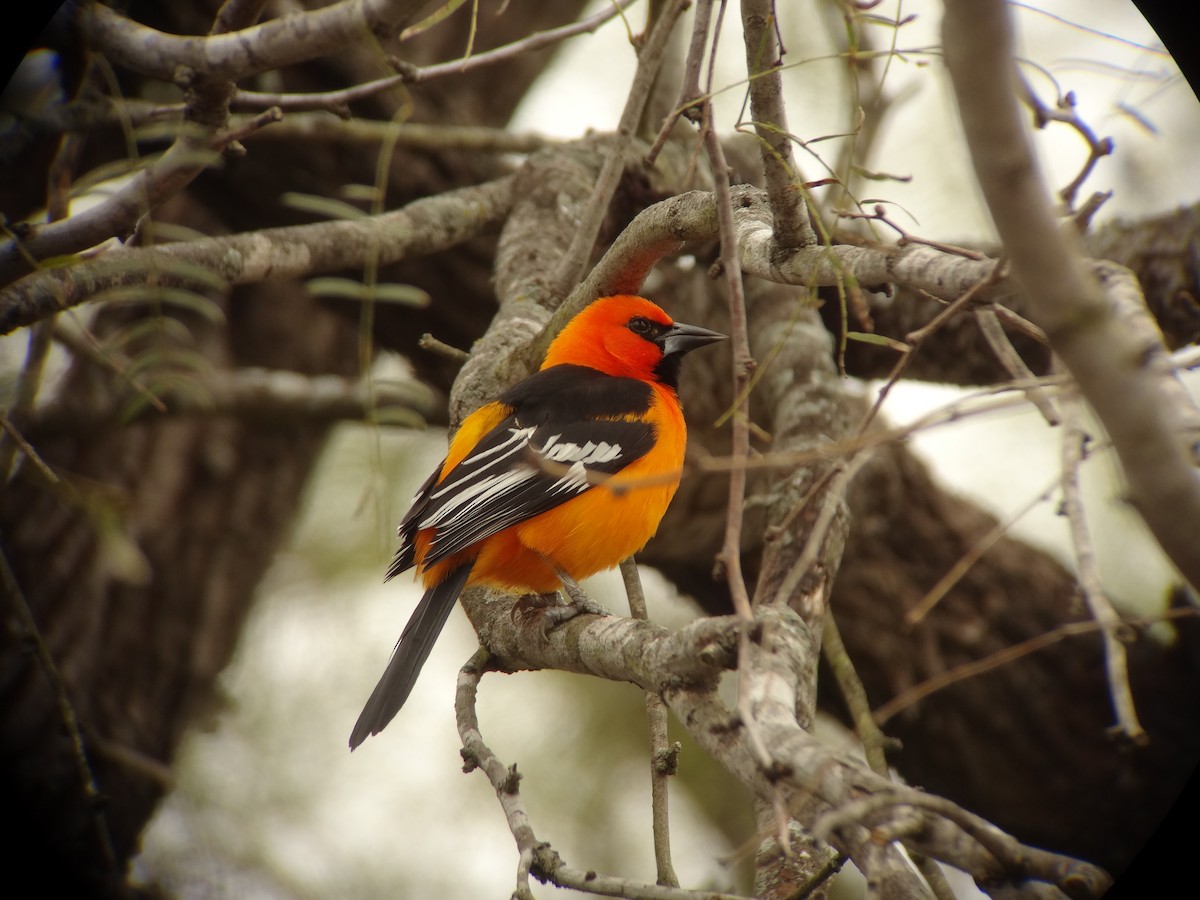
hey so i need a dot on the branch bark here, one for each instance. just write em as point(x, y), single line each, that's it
point(1119, 369)
point(425, 226)
point(279, 43)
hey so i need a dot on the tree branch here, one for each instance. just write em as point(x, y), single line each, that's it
point(1119, 366)
point(651, 657)
point(117, 215)
point(275, 44)
point(763, 65)
point(574, 262)
point(423, 226)
point(338, 100)
point(262, 394)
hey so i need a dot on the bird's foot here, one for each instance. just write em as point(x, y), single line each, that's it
point(578, 602)
point(553, 613)
point(531, 606)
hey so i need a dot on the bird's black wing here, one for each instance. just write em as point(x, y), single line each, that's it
point(568, 424)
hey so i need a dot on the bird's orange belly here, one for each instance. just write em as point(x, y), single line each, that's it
point(588, 534)
point(591, 533)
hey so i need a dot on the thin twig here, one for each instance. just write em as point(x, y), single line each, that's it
point(964, 565)
point(435, 345)
point(339, 101)
point(28, 381)
point(19, 443)
point(85, 347)
point(689, 91)
point(574, 263)
point(993, 333)
point(1114, 630)
point(92, 799)
point(1065, 112)
point(663, 757)
point(743, 368)
point(916, 338)
point(874, 742)
point(943, 680)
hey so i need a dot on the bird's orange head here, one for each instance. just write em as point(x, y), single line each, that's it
point(630, 337)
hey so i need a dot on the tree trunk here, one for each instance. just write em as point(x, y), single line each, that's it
point(140, 571)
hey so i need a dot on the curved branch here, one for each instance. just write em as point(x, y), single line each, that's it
point(536, 857)
point(684, 668)
point(275, 44)
point(419, 75)
point(1120, 369)
point(265, 395)
point(117, 215)
point(422, 227)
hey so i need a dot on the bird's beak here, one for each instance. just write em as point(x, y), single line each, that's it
point(681, 338)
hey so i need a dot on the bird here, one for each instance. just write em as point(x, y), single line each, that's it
point(565, 474)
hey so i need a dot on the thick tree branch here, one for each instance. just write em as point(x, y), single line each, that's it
point(339, 100)
point(424, 226)
point(649, 656)
point(275, 44)
point(262, 394)
point(1120, 369)
point(763, 65)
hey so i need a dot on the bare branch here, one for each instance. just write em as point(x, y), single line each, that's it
point(650, 57)
point(263, 394)
point(763, 64)
point(424, 226)
point(339, 100)
point(166, 176)
point(275, 44)
point(993, 331)
point(743, 366)
point(1116, 632)
point(663, 756)
point(631, 650)
point(536, 857)
point(319, 126)
point(1118, 362)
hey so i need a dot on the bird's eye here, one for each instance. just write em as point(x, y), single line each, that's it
point(639, 325)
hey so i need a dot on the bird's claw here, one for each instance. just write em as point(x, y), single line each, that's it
point(552, 613)
point(530, 606)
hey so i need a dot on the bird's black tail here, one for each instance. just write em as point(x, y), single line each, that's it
point(411, 651)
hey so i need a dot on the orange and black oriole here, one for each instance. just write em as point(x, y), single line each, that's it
point(569, 471)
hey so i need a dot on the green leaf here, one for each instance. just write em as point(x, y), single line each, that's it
point(879, 340)
point(321, 206)
point(167, 296)
point(349, 289)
